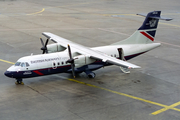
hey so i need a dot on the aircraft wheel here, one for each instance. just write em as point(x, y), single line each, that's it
point(16, 83)
point(22, 83)
point(19, 82)
point(91, 75)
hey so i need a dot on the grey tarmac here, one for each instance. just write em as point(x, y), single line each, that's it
point(149, 93)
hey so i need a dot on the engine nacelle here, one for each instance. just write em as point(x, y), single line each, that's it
point(55, 48)
point(82, 60)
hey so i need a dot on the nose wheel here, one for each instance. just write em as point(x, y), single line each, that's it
point(19, 82)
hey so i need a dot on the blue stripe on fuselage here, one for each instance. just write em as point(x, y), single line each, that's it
point(62, 69)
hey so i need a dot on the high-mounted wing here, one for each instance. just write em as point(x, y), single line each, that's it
point(94, 54)
point(62, 41)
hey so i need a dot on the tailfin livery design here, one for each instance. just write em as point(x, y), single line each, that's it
point(146, 33)
point(151, 20)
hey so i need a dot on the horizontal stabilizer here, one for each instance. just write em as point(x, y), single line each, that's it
point(155, 17)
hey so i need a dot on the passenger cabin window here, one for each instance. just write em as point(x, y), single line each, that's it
point(54, 63)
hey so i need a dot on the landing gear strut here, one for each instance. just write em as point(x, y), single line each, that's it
point(19, 82)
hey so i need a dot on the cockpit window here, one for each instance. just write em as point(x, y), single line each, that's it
point(23, 65)
point(27, 64)
point(17, 63)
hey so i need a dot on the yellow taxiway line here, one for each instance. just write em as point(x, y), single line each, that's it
point(165, 107)
point(6, 61)
point(37, 12)
point(106, 15)
point(58, 7)
point(170, 24)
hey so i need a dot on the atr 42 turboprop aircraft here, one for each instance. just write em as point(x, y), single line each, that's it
point(67, 56)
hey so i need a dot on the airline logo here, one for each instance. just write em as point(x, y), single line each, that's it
point(152, 22)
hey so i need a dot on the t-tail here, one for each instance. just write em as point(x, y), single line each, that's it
point(146, 33)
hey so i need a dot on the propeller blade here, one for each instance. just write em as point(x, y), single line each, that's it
point(44, 48)
point(42, 42)
point(46, 42)
point(43, 52)
point(71, 60)
point(46, 51)
point(69, 50)
point(73, 72)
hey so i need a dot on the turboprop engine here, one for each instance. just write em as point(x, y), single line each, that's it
point(55, 48)
point(51, 48)
point(78, 61)
point(82, 60)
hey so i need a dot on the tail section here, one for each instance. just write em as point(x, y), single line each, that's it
point(146, 33)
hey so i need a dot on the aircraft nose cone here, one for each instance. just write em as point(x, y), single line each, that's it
point(8, 74)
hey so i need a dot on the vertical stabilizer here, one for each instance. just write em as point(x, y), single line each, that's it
point(146, 33)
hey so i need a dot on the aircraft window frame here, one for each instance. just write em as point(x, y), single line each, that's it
point(54, 64)
point(23, 64)
point(27, 64)
point(17, 64)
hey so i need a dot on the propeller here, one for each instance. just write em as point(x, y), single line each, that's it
point(44, 48)
point(71, 60)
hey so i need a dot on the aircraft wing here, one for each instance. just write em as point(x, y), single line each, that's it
point(94, 54)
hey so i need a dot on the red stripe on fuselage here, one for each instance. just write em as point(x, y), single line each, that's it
point(37, 72)
point(148, 36)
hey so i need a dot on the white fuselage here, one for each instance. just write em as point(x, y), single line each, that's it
point(44, 64)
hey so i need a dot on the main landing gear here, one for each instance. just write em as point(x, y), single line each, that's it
point(90, 74)
point(19, 82)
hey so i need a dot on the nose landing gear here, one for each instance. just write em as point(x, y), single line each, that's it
point(19, 82)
